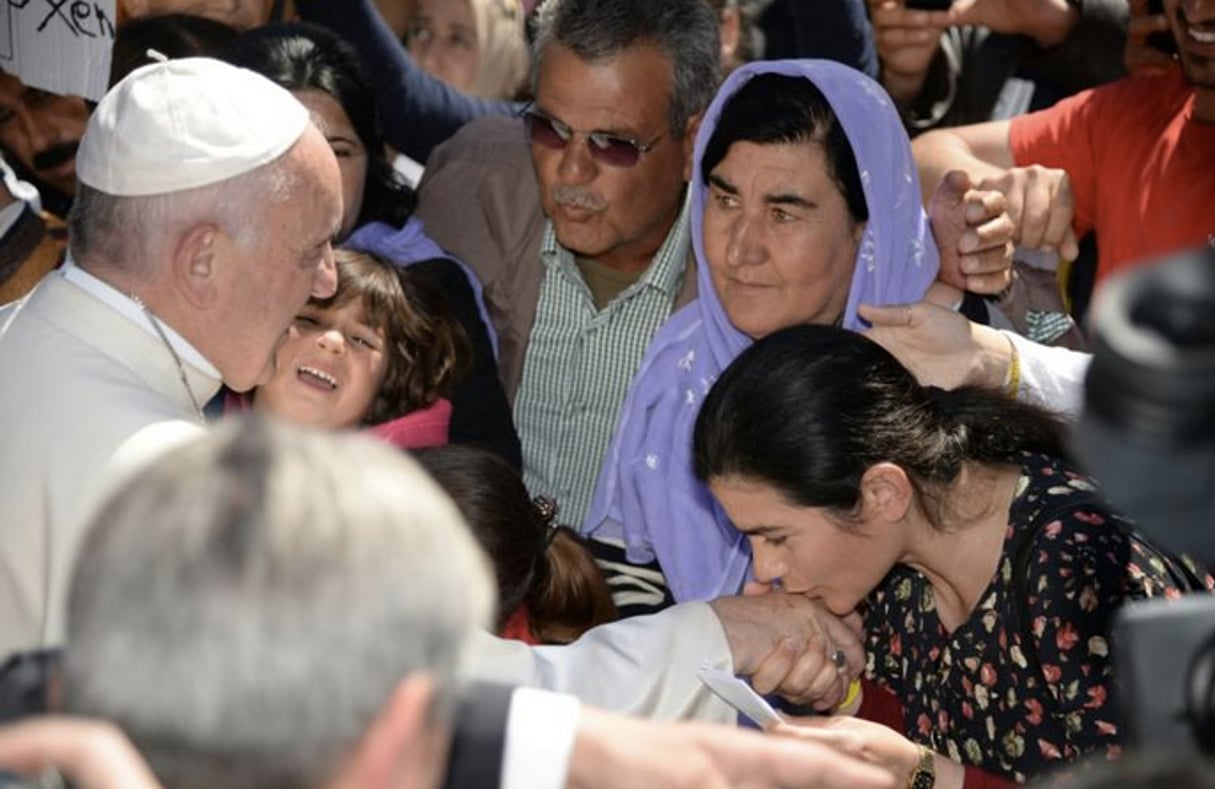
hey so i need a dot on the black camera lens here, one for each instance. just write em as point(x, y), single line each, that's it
point(1148, 429)
point(1153, 372)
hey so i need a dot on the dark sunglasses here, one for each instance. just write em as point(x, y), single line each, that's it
point(606, 147)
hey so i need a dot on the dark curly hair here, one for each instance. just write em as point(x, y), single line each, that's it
point(426, 348)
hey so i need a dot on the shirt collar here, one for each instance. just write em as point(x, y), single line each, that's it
point(126, 306)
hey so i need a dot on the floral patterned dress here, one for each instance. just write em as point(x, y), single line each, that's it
point(1016, 690)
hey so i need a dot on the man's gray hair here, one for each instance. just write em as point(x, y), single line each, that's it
point(686, 31)
point(245, 608)
point(126, 231)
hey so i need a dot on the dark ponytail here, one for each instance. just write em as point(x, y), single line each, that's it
point(985, 426)
point(569, 595)
point(540, 565)
point(809, 409)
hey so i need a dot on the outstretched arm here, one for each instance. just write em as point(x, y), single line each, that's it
point(610, 751)
point(942, 348)
point(1039, 200)
point(647, 665)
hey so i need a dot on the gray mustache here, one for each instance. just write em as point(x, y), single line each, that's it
point(576, 197)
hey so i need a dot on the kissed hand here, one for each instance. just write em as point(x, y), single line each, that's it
point(785, 644)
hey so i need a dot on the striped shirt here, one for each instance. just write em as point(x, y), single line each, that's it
point(580, 362)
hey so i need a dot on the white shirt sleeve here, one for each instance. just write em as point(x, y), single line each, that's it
point(645, 665)
point(540, 731)
point(1051, 377)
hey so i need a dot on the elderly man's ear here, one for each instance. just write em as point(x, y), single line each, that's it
point(195, 265)
point(406, 745)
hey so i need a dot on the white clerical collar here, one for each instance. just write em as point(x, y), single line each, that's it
point(126, 306)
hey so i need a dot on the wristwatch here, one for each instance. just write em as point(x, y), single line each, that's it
point(924, 776)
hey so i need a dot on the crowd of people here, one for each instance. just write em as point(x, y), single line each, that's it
point(420, 393)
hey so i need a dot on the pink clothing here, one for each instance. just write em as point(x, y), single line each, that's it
point(425, 427)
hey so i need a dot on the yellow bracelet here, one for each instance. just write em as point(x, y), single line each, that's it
point(854, 690)
point(1012, 379)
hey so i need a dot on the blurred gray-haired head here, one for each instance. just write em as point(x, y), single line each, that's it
point(246, 606)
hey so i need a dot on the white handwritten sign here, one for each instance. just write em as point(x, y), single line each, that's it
point(61, 46)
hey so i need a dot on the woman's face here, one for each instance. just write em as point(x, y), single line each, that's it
point(328, 116)
point(442, 37)
point(780, 243)
point(328, 370)
point(803, 548)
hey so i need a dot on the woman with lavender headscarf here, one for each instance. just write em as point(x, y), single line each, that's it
point(806, 203)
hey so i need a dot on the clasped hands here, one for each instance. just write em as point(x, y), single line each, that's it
point(785, 644)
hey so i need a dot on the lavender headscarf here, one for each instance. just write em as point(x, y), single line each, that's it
point(646, 493)
point(407, 245)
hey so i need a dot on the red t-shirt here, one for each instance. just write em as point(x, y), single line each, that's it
point(1143, 170)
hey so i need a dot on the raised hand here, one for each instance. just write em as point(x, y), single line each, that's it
point(1048, 22)
point(974, 234)
point(907, 40)
point(1041, 205)
point(940, 347)
point(1141, 56)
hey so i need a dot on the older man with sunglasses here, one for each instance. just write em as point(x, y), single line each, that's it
point(582, 246)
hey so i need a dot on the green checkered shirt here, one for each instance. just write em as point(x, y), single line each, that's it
point(580, 362)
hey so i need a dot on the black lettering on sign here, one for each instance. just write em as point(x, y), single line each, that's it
point(56, 11)
point(105, 25)
point(81, 17)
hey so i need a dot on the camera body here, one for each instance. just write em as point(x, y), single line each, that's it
point(1148, 433)
point(1165, 654)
